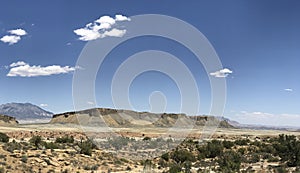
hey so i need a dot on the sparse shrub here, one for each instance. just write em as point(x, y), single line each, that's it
point(47, 161)
point(11, 146)
point(181, 156)
point(146, 138)
point(4, 137)
point(128, 168)
point(118, 162)
point(175, 168)
point(86, 147)
point(165, 156)
point(227, 144)
point(273, 159)
point(254, 158)
point(124, 160)
point(65, 139)
point(242, 142)
point(214, 149)
point(187, 166)
point(51, 145)
point(94, 167)
point(280, 169)
point(242, 150)
point(36, 140)
point(229, 161)
point(24, 159)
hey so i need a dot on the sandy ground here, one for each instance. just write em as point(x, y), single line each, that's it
point(152, 132)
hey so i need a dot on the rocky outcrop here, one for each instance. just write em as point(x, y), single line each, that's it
point(8, 121)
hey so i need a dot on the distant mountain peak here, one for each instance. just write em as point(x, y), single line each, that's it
point(24, 111)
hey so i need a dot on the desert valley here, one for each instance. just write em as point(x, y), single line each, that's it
point(65, 145)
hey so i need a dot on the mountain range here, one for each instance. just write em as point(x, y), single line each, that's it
point(14, 113)
point(25, 112)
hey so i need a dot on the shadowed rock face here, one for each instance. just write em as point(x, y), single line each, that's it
point(24, 111)
point(127, 118)
point(7, 120)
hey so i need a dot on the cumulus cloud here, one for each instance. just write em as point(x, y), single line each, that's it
point(288, 89)
point(14, 37)
point(119, 17)
point(105, 26)
point(87, 34)
point(10, 39)
point(25, 70)
point(19, 32)
point(221, 73)
point(264, 118)
point(114, 33)
point(43, 105)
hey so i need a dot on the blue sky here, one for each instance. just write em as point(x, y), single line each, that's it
point(259, 41)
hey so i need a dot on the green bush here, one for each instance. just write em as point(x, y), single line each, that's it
point(227, 144)
point(11, 146)
point(36, 140)
point(86, 147)
point(254, 158)
point(181, 156)
point(175, 169)
point(287, 147)
point(230, 161)
point(24, 159)
point(51, 145)
point(214, 149)
point(165, 156)
point(3, 137)
point(242, 142)
point(66, 139)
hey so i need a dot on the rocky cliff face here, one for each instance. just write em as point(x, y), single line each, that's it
point(126, 118)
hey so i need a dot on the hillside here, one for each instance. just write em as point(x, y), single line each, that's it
point(7, 121)
point(127, 118)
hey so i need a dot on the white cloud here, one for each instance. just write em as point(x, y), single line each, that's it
point(43, 105)
point(19, 32)
point(221, 73)
point(105, 26)
point(120, 17)
point(263, 118)
point(288, 89)
point(106, 19)
point(114, 33)
point(15, 36)
point(87, 34)
point(25, 70)
point(10, 39)
point(19, 63)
